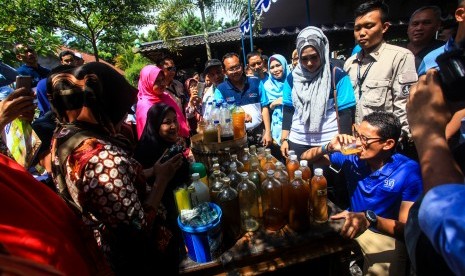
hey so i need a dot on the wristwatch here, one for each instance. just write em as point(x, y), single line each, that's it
point(371, 217)
point(284, 139)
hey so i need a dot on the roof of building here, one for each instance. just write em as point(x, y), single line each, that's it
point(234, 34)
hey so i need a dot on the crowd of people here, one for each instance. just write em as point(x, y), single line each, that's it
point(103, 202)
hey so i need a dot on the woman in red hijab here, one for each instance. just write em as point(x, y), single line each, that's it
point(151, 91)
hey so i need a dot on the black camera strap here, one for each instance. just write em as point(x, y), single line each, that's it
point(360, 80)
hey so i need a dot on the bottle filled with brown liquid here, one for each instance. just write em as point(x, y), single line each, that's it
point(292, 166)
point(246, 160)
point(319, 196)
point(269, 164)
point(299, 216)
point(306, 171)
point(289, 153)
point(281, 175)
point(273, 215)
point(239, 164)
point(231, 219)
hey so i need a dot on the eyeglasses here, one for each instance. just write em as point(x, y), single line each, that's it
point(365, 139)
point(234, 69)
point(171, 68)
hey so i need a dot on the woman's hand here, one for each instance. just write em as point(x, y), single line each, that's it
point(285, 148)
point(164, 172)
point(275, 103)
point(267, 139)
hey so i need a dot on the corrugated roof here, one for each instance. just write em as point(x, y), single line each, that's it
point(234, 34)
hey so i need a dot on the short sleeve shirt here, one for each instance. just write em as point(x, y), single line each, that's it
point(248, 99)
point(382, 190)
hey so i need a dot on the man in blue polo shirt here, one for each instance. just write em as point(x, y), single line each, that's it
point(382, 185)
point(31, 66)
point(244, 92)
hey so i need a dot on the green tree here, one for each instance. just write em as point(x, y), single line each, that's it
point(97, 21)
point(19, 25)
point(171, 13)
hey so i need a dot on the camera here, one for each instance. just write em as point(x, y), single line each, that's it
point(452, 73)
point(172, 151)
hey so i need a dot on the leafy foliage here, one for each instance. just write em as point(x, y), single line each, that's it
point(19, 25)
point(174, 15)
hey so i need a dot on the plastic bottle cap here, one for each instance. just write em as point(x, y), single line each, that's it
point(291, 152)
point(233, 165)
point(199, 168)
point(298, 173)
point(293, 157)
point(226, 179)
point(270, 172)
point(244, 174)
point(195, 176)
point(303, 163)
point(278, 163)
point(319, 171)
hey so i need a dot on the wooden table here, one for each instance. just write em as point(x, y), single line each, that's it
point(319, 251)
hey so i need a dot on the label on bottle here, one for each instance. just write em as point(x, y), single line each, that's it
point(321, 192)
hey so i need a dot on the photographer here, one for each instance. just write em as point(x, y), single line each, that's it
point(440, 213)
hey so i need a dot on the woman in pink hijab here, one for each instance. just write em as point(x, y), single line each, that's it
point(151, 91)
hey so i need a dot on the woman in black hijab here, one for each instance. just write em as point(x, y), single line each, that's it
point(95, 173)
point(159, 135)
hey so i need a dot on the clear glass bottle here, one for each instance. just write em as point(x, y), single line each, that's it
point(234, 175)
point(256, 175)
point(211, 178)
point(227, 161)
point(253, 154)
point(200, 192)
point(216, 185)
point(210, 135)
point(299, 215)
point(281, 175)
point(246, 160)
point(319, 197)
point(214, 160)
point(248, 204)
point(292, 166)
point(227, 133)
point(239, 164)
point(229, 203)
point(273, 215)
point(306, 171)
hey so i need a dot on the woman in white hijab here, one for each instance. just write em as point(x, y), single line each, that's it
point(312, 115)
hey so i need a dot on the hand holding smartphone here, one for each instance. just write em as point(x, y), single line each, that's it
point(200, 89)
point(24, 81)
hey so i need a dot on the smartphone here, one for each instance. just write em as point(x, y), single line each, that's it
point(24, 81)
point(200, 89)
